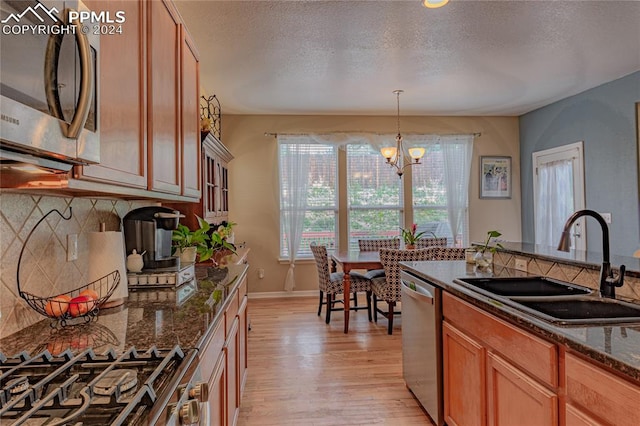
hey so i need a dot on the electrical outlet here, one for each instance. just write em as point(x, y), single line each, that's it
point(261, 273)
point(606, 217)
point(72, 247)
point(521, 264)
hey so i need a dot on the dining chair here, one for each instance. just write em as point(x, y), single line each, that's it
point(430, 242)
point(331, 284)
point(446, 253)
point(375, 244)
point(388, 288)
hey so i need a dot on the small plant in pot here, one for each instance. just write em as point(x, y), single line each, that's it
point(411, 236)
point(190, 244)
point(484, 252)
point(218, 243)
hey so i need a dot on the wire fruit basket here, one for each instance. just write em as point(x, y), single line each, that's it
point(81, 304)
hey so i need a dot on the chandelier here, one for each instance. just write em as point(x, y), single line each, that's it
point(395, 155)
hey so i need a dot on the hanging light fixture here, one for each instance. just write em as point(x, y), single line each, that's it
point(395, 155)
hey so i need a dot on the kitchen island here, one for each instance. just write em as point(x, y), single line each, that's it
point(500, 363)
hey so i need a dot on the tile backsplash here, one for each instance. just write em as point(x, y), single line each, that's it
point(583, 275)
point(44, 269)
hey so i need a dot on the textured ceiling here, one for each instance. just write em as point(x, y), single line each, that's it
point(467, 58)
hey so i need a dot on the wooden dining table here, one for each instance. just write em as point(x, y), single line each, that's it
point(353, 259)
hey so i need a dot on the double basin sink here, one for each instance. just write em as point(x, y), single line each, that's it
point(555, 301)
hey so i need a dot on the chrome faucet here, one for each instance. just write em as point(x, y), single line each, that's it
point(608, 281)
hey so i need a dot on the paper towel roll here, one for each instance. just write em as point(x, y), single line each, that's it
point(106, 254)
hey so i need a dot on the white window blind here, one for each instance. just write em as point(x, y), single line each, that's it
point(320, 215)
point(375, 195)
point(373, 189)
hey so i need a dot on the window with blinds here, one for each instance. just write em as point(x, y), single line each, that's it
point(375, 195)
point(375, 198)
point(320, 218)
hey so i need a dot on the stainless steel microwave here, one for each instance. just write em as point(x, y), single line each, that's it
point(48, 82)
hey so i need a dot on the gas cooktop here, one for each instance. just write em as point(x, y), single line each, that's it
point(88, 388)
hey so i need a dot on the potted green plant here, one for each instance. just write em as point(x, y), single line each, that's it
point(484, 252)
point(189, 244)
point(219, 244)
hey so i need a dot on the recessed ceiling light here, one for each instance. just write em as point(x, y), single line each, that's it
point(433, 4)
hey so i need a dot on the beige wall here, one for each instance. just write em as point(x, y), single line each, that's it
point(254, 180)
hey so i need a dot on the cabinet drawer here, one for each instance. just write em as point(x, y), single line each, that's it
point(599, 392)
point(212, 350)
point(231, 312)
point(530, 353)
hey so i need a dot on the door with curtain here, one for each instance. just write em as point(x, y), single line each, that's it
point(558, 191)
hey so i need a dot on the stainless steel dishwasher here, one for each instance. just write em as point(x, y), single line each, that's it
point(422, 343)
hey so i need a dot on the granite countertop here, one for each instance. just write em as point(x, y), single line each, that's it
point(151, 317)
point(616, 346)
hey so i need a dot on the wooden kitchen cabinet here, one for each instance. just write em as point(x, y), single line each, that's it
point(223, 358)
point(213, 365)
point(190, 123)
point(513, 398)
point(163, 74)
point(214, 204)
point(215, 199)
point(217, 393)
point(122, 103)
point(232, 351)
point(464, 378)
point(148, 107)
point(596, 396)
point(495, 373)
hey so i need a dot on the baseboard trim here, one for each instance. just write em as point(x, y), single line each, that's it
point(278, 294)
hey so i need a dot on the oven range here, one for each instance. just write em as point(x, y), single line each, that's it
point(152, 387)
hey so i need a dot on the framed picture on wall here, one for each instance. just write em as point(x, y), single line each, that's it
point(495, 177)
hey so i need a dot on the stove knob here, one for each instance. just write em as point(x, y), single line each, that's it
point(200, 391)
point(181, 390)
point(171, 408)
point(190, 412)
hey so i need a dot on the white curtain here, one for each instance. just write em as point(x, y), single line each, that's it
point(457, 153)
point(376, 140)
point(293, 197)
point(555, 177)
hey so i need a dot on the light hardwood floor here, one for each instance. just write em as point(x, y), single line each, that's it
point(305, 372)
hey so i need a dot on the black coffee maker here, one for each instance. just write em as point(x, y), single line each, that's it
point(149, 230)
